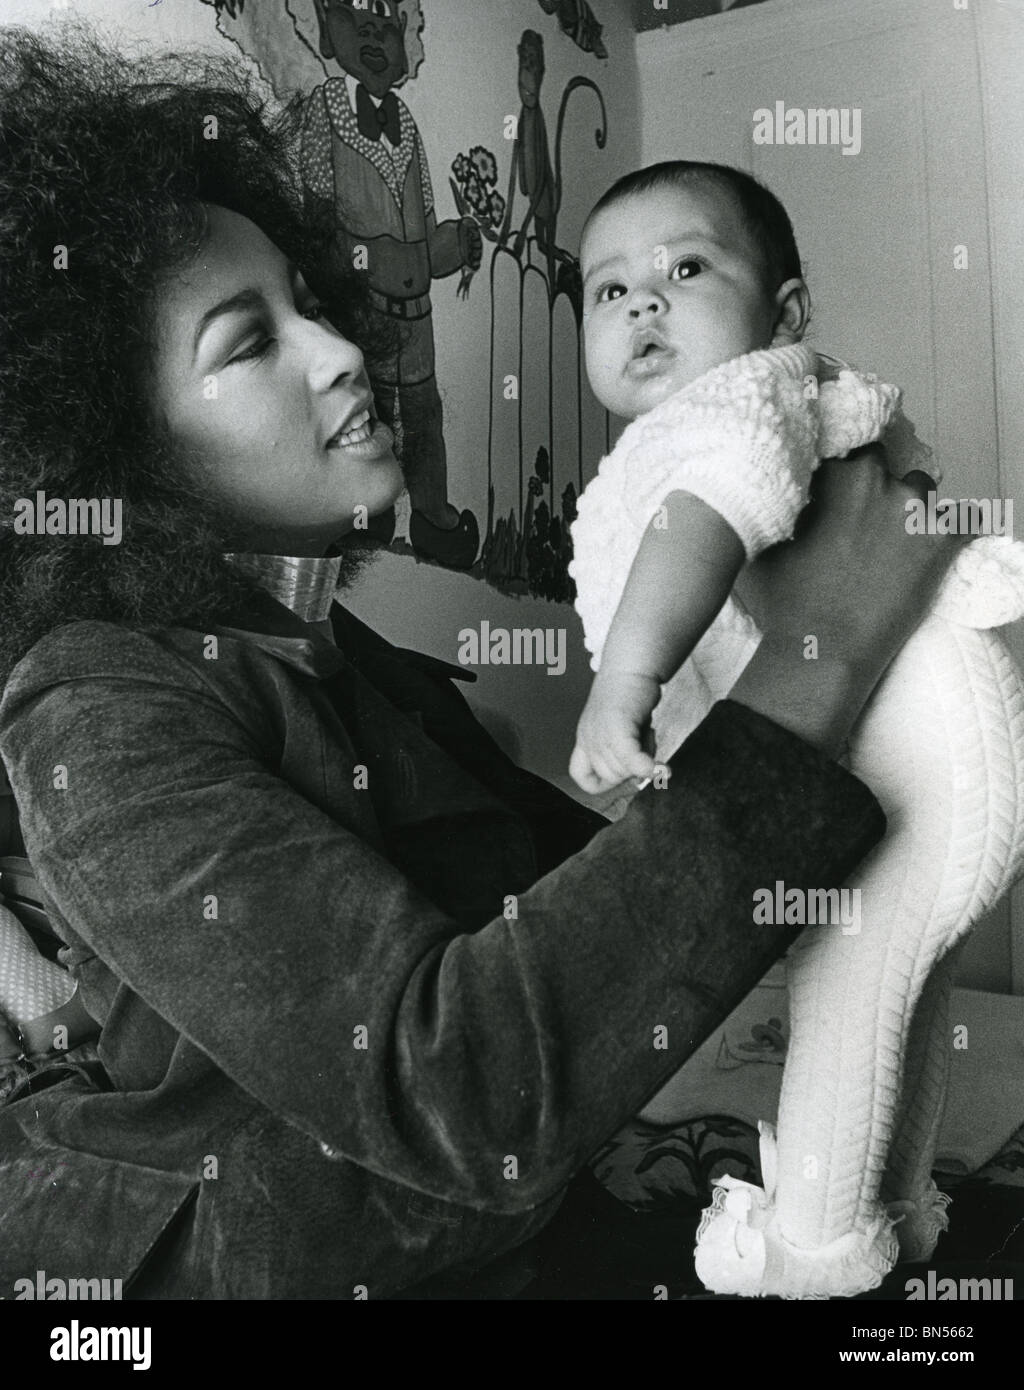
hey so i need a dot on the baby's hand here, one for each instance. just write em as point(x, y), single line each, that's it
point(609, 737)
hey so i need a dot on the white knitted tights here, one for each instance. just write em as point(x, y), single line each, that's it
point(942, 747)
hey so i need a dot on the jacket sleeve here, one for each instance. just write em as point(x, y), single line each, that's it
point(495, 1062)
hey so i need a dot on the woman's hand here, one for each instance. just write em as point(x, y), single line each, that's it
point(855, 582)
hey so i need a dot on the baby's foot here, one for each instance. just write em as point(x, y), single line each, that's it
point(919, 1223)
point(740, 1249)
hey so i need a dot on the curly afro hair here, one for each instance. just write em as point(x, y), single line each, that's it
point(111, 159)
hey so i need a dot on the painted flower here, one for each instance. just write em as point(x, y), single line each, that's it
point(496, 208)
point(460, 167)
point(476, 194)
point(485, 164)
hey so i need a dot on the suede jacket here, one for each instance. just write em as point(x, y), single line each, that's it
point(370, 994)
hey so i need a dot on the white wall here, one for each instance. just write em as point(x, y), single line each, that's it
point(128, 23)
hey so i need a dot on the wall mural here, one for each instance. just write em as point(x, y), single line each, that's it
point(579, 22)
point(364, 153)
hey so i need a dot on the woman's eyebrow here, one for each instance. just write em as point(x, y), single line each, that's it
point(236, 303)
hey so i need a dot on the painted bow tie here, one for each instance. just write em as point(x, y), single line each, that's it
point(374, 120)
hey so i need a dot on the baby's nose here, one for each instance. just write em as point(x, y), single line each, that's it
point(646, 304)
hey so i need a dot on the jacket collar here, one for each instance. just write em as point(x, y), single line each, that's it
point(265, 623)
point(275, 629)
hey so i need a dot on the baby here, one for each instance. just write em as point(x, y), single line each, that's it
point(694, 314)
point(713, 479)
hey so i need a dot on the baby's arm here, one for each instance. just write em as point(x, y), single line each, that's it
point(681, 576)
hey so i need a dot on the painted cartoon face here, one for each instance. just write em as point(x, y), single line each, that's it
point(290, 440)
point(672, 286)
point(366, 38)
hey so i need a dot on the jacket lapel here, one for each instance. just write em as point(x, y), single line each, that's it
point(424, 756)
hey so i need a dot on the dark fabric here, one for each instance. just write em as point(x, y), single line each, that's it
point(508, 1004)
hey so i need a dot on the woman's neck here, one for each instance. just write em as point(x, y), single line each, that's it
point(305, 584)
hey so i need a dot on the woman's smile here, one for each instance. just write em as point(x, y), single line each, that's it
point(366, 438)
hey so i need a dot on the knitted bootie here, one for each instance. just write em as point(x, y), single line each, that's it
point(740, 1249)
point(919, 1223)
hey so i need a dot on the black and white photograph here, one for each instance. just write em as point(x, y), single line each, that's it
point(511, 669)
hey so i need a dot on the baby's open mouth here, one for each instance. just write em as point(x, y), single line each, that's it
point(647, 343)
point(649, 353)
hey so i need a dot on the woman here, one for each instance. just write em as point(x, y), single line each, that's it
point(370, 995)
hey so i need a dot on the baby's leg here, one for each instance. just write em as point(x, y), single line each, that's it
point(942, 746)
point(907, 1185)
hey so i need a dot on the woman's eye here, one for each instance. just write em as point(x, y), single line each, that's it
point(315, 312)
point(686, 269)
point(257, 349)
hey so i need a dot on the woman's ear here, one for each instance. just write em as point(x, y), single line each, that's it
point(792, 310)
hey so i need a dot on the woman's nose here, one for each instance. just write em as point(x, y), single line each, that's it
point(331, 356)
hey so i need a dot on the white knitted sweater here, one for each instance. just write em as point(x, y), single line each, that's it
point(746, 438)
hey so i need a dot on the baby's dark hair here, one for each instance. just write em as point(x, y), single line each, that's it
point(766, 219)
point(105, 166)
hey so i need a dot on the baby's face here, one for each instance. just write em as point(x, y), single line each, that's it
point(672, 286)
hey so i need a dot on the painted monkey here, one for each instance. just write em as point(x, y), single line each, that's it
point(531, 157)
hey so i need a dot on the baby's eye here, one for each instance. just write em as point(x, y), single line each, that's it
point(609, 292)
point(687, 268)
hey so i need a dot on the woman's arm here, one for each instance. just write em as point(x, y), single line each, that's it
point(145, 784)
point(531, 1038)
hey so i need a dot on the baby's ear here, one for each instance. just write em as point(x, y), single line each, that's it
point(792, 310)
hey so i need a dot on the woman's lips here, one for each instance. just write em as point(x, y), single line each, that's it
point(370, 441)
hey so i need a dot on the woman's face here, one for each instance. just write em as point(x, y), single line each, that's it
point(269, 398)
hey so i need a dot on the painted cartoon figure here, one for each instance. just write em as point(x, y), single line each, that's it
point(362, 151)
point(531, 160)
point(579, 22)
